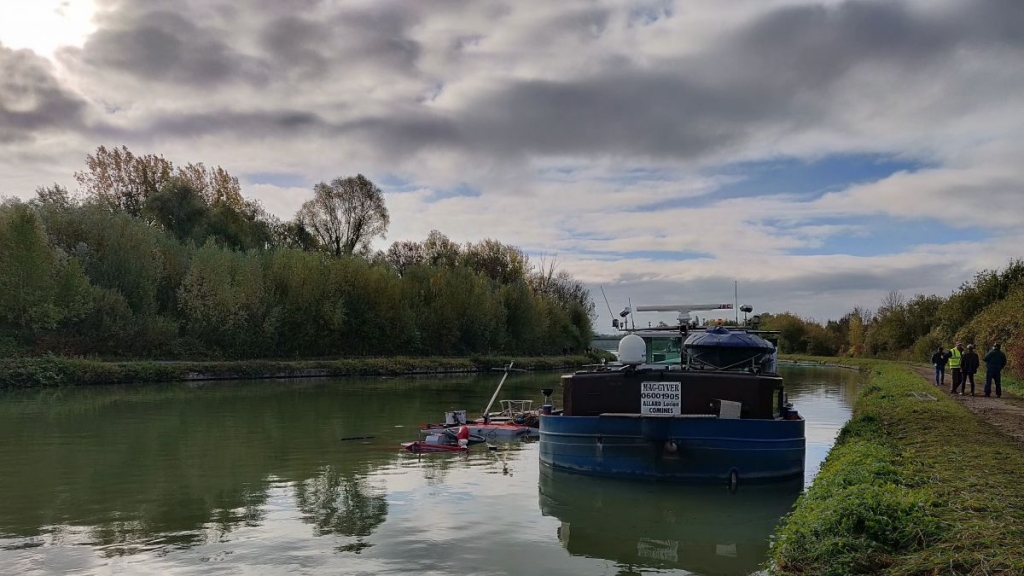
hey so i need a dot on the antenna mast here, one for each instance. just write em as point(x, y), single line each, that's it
point(736, 293)
point(610, 313)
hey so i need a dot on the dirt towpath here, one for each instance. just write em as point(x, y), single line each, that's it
point(1006, 413)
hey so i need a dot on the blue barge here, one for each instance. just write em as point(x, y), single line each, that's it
point(685, 405)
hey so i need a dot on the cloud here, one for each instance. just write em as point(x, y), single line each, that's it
point(32, 100)
point(166, 47)
point(788, 72)
point(489, 80)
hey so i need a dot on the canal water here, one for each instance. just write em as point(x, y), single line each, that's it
point(260, 477)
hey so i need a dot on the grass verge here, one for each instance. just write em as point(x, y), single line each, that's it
point(911, 487)
point(58, 371)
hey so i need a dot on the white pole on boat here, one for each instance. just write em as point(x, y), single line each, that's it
point(496, 390)
point(736, 294)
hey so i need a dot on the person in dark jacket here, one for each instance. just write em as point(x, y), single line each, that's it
point(939, 360)
point(995, 361)
point(969, 365)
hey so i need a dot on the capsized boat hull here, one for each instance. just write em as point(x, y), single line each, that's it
point(674, 449)
point(495, 432)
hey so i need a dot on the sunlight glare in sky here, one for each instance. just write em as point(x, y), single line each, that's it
point(45, 25)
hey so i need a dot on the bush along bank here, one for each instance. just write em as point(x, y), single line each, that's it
point(912, 486)
point(59, 371)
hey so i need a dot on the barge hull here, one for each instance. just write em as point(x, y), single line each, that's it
point(705, 449)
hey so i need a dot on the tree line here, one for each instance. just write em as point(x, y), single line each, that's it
point(988, 308)
point(149, 259)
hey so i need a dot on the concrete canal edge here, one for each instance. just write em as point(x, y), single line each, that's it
point(59, 371)
point(915, 484)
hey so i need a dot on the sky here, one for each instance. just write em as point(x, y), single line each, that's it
point(818, 154)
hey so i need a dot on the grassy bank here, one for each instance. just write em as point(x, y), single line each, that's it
point(911, 487)
point(58, 371)
point(1010, 381)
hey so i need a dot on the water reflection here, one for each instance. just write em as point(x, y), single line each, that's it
point(703, 529)
point(343, 505)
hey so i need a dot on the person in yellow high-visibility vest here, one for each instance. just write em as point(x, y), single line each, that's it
point(955, 355)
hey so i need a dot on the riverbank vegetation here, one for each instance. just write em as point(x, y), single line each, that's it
point(912, 486)
point(58, 371)
point(154, 260)
point(985, 310)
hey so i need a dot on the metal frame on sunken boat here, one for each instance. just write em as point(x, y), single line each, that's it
point(716, 412)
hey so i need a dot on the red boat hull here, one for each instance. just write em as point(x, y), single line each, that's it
point(498, 432)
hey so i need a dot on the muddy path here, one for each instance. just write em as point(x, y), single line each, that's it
point(1006, 413)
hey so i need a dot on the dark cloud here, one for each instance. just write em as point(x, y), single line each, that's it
point(813, 46)
point(256, 124)
point(589, 22)
point(381, 36)
point(168, 47)
point(298, 44)
point(773, 78)
point(629, 112)
point(212, 44)
point(377, 39)
point(31, 98)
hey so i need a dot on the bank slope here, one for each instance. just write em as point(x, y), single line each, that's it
point(912, 486)
point(59, 371)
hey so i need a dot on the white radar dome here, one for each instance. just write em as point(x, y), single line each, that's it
point(632, 350)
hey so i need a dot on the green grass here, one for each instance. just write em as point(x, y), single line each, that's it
point(59, 371)
point(911, 488)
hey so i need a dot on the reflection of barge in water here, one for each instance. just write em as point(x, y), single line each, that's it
point(704, 529)
point(686, 405)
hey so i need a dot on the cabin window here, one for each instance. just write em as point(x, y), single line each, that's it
point(778, 401)
point(663, 350)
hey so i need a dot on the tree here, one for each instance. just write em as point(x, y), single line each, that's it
point(971, 298)
point(402, 255)
point(39, 287)
point(500, 262)
point(855, 333)
point(439, 250)
point(563, 288)
point(55, 197)
point(179, 208)
point(122, 180)
point(224, 303)
point(216, 186)
point(345, 214)
point(294, 235)
point(793, 331)
point(247, 227)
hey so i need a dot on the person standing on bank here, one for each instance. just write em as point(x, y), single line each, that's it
point(939, 360)
point(995, 361)
point(969, 365)
point(955, 354)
